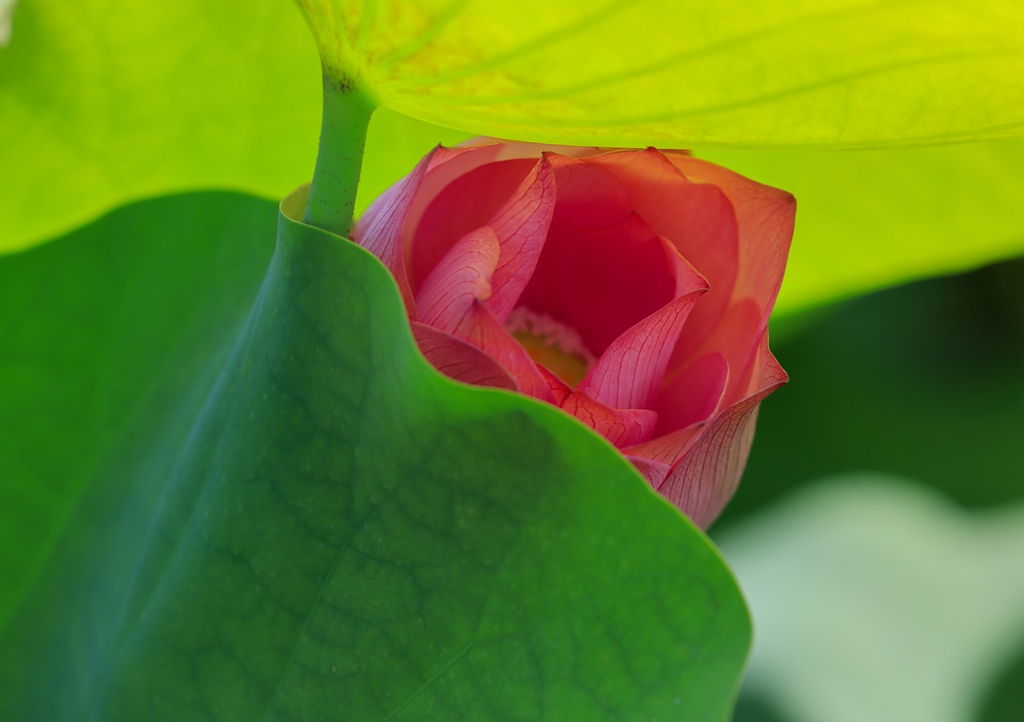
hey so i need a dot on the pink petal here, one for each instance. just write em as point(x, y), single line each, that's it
point(693, 394)
point(622, 427)
point(698, 219)
point(381, 228)
point(600, 281)
point(452, 300)
point(705, 479)
point(459, 360)
point(653, 471)
point(629, 373)
point(765, 218)
point(521, 227)
point(560, 390)
point(463, 194)
point(460, 279)
point(667, 449)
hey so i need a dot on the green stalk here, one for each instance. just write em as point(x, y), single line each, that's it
point(332, 194)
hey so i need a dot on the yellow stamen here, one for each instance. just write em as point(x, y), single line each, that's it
point(552, 344)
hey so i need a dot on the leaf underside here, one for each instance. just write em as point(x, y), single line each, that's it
point(832, 73)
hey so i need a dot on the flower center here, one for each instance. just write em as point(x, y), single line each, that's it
point(552, 344)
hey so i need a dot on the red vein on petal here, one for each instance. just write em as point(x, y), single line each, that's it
point(622, 427)
point(522, 227)
point(461, 278)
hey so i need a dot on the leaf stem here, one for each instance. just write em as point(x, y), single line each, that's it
point(332, 194)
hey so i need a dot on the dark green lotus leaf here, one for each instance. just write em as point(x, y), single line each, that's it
point(318, 526)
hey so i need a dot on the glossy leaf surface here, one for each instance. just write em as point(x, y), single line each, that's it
point(320, 524)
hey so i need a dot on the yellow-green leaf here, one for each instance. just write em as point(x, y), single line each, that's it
point(829, 73)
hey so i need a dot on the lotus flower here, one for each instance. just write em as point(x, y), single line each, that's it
point(630, 288)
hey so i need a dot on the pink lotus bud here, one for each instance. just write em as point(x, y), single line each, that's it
point(630, 288)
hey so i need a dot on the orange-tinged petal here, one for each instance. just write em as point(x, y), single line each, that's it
point(694, 394)
point(697, 218)
point(765, 218)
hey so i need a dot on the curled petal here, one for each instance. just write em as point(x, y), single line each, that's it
point(667, 449)
point(452, 300)
point(481, 329)
point(622, 427)
point(521, 227)
point(629, 372)
point(459, 360)
point(462, 278)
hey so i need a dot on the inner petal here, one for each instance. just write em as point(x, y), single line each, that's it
point(465, 203)
point(600, 281)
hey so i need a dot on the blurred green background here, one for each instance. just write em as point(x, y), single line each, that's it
point(923, 381)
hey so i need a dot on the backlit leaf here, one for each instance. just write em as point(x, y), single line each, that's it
point(826, 73)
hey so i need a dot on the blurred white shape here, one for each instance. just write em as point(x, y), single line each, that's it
point(878, 601)
point(6, 15)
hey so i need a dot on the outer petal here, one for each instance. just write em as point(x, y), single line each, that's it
point(704, 480)
point(381, 228)
point(459, 360)
point(653, 471)
point(668, 449)
point(765, 218)
point(622, 427)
